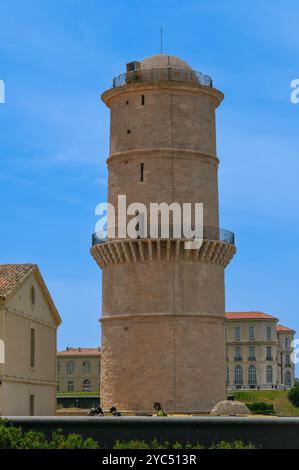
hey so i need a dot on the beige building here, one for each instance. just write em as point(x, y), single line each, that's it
point(78, 370)
point(259, 352)
point(28, 325)
point(162, 302)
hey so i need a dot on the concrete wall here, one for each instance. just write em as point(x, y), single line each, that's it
point(16, 398)
point(267, 433)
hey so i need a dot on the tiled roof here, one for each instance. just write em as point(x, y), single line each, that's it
point(11, 275)
point(282, 328)
point(249, 316)
point(80, 352)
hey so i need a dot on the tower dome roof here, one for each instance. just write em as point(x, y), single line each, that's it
point(163, 61)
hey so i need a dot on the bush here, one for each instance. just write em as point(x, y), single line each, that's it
point(131, 445)
point(136, 444)
point(14, 438)
point(261, 408)
point(232, 445)
point(293, 396)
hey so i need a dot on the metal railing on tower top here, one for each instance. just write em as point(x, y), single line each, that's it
point(165, 74)
point(209, 233)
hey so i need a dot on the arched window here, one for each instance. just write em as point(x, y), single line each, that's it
point(86, 386)
point(227, 375)
point(238, 375)
point(288, 379)
point(70, 386)
point(287, 341)
point(86, 367)
point(251, 375)
point(251, 333)
point(70, 367)
point(32, 295)
point(269, 375)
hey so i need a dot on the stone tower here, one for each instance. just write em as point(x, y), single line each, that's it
point(163, 306)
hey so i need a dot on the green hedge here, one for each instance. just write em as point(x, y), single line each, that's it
point(136, 444)
point(293, 396)
point(14, 438)
point(261, 408)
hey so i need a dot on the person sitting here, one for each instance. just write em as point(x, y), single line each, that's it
point(99, 411)
point(114, 411)
point(96, 411)
point(159, 410)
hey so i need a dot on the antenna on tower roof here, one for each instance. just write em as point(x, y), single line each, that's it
point(161, 40)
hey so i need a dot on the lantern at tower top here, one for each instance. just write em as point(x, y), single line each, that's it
point(161, 68)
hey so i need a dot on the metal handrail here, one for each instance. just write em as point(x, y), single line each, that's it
point(209, 233)
point(165, 74)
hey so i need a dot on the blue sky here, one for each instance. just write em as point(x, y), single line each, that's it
point(57, 56)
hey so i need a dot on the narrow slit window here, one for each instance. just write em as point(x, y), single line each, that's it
point(142, 100)
point(31, 405)
point(32, 347)
point(32, 295)
point(142, 172)
point(128, 131)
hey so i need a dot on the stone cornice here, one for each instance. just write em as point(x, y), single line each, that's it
point(160, 316)
point(28, 380)
point(257, 342)
point(250, 320)
point(29, 317)
point(163, 152)
point(149, 249)
point(172, 86)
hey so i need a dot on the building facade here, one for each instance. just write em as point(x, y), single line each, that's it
point(258, 352)
point(78, 370)
point(161, 301)
point(28, 326)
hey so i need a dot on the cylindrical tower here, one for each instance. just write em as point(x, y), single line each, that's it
point(163, 306)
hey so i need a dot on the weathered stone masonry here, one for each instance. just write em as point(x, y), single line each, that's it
point(163, 306)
